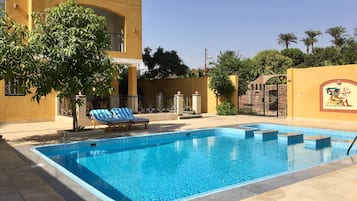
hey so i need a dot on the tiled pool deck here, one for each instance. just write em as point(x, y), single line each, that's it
point(25, 176)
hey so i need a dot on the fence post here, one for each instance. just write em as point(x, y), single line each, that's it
point(159, 101)
point(179, 103)
point(196, 103)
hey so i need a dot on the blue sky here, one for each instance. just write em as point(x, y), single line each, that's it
point(244, 26)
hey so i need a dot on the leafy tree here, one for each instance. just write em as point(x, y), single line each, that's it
point(16, 56)
point(338, 34)
point(200, 73)
point(229, 60)
point(331, 56)
point(71, 43)
point(349, 52)
point(312, 37)
point(148, 59)
point(220, 82)
point(295, 54)
point(248, 72)
point(195, 73)
point(324, 57)
point(245, 69)
point(163, 64)
point(286, 39)
point(272, 62)
point(355, 32)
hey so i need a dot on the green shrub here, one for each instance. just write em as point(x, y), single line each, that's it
point(226, 108)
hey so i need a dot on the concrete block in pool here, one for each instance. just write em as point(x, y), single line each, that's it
point(291, 138)
point(317, 142)
point(246, 132)
point(265, 135)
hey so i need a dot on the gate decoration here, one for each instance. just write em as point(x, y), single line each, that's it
point(338, 95)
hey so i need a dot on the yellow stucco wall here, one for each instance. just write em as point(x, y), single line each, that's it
point(169, 87)
point(187, 86)
point(212, 101)
point(304, 91)
point(17, 10)
point(22, 108)
point(132, 81)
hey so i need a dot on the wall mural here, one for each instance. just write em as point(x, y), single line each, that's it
point(338, 95)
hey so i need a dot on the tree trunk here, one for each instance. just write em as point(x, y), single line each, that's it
point(72, 103)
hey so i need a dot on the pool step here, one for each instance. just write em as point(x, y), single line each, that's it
point(317, 142)
point(291, 138)
point(266, 135)
point(246, 132)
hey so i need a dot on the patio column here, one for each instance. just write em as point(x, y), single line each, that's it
point(196, 103)
point(179, 103)
point(132, 88)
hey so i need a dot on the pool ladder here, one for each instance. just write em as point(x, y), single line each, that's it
point(349, 148)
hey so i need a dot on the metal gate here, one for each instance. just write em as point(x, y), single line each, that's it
point(276, 100)
point(264, 100)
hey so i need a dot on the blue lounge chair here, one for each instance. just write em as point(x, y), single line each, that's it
point(104, 116)
point(126, 113)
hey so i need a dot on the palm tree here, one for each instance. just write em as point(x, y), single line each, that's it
point(307, 43)
point(338, 34)
point(286, 39)
point(312, 37)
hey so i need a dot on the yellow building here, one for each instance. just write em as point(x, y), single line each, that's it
point(124, 23)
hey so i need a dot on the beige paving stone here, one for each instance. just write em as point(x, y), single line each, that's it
point(329, 187)
point(43, 193)
point(8, 189)
point(11, 197)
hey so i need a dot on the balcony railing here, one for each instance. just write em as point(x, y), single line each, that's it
point(117, 42)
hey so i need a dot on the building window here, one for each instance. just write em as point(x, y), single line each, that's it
point(13, 88)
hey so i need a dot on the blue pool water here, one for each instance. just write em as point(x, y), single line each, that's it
point(177, 165)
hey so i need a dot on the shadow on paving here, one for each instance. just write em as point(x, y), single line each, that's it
point(42, 186)
point(99, 133)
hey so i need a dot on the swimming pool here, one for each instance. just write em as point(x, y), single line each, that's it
point(176, 165)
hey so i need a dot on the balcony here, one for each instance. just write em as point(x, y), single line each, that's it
point(115, 27)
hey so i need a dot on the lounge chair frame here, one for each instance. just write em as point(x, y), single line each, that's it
point(126, 113)
point(110, 121)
